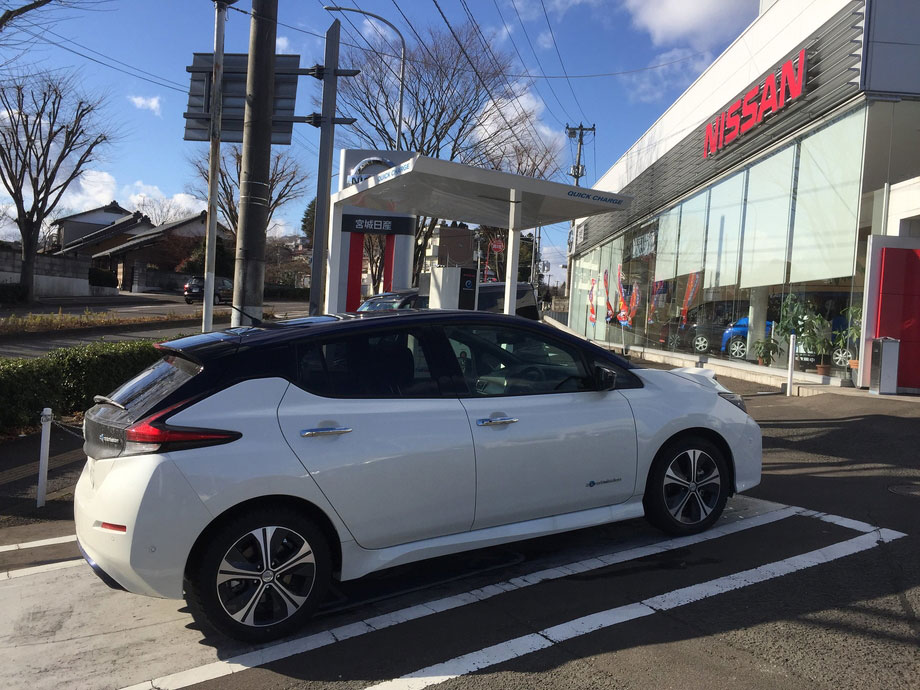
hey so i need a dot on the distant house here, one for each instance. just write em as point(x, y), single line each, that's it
point(147, 259)
point(120, 230)
point(73, 227)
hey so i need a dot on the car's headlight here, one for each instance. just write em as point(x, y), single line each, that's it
point(734, 399)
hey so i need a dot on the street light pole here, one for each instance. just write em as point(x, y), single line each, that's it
point(402, 61)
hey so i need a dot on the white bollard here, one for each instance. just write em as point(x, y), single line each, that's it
point(791, 365)
point(43, 457)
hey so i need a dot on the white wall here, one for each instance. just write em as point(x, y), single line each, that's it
point(759, 48)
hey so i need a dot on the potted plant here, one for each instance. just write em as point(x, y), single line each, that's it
point(766, 350)
point(792, 317)
point(846, 339)
point(817, 340)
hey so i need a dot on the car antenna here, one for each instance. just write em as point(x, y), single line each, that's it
point(258, 323)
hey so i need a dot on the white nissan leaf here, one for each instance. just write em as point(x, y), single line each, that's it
point(248, 468)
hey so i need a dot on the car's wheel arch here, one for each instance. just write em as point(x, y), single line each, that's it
point(308, 509)
point(710, 435)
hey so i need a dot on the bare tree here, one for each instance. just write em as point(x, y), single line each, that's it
point(161, 210)
point(287, 181)
point(49, 135)
point(454, 111)
point(22, 22)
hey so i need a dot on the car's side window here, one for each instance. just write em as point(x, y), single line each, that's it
point(387, 364)
point(501, 360)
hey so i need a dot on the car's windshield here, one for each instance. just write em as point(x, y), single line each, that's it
point(380, 304)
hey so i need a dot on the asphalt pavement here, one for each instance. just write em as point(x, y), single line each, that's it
point(811, 580)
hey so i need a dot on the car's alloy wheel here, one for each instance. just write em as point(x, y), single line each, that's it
point(673, 341)
point(841, 357)
point(737, 348)
point(261, 575)
point(217, 299)
point(687, 487)
point(701, 343)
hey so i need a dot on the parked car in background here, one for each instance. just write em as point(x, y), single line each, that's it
point(194, 290)
point(491, 299)
point(734, 339)
point(702, 330)
point(249, 467)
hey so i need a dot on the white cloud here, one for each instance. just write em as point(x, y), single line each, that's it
point(530, 10)
point(545, 40)
point(280, 228)
point(93, 188)
point(679, 67)
point(139, 192)
point(529, 101)
point(152, 104)
point(283, 44)
point(374, 31)
point(702, 24)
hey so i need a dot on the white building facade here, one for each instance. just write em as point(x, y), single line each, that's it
point(770, 176)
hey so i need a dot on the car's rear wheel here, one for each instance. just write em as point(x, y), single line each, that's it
point(188, 300)
point(842, 356)
point(737, 348)
point(260, 576)
point(687, 486)
point(701, 343)
point(217, 299)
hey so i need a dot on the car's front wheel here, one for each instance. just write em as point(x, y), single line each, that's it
point(687, 486)
point(188, 300)
point(260, 576)
point(701, 344)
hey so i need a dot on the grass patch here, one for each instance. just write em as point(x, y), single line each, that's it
point(42, 323)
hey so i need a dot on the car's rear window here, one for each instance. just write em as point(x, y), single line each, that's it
point(380, 304)
point(154, 383)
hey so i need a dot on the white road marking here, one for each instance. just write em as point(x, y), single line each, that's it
point(37, 544)
point(284, 650)
point(505, 651)
point(25, 572)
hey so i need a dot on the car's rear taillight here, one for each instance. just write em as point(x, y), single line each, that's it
point(152, 434)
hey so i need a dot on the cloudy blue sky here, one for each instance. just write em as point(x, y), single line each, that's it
point(626, 61)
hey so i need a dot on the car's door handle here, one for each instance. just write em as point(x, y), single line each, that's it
point(496, 421)
point(325, 431)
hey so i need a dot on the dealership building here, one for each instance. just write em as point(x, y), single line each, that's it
point(785, 180)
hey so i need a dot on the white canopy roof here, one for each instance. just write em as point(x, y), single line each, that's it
point(432, 187)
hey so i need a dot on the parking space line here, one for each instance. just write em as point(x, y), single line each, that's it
point(506, 651)
point(39, 543)
point(291, 648)
point(38, 569)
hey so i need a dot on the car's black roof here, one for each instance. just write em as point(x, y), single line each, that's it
point(204, 346)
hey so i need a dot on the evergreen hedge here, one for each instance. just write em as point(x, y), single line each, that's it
point(66, 379)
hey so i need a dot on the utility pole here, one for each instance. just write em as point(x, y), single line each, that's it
point(220, 19)
point(329, 73)
point(249, 274)
point(577, 171)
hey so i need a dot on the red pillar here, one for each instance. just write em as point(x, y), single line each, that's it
point(355, 264)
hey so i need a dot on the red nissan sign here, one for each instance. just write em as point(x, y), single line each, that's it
point(760, 100)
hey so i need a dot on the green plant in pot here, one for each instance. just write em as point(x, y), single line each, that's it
point(766, 351)
point(817, 339)
point(792, 318)
point(846, 339)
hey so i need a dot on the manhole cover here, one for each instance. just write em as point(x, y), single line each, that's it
point(905, 489)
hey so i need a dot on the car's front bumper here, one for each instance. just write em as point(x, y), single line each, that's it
point(161, 514)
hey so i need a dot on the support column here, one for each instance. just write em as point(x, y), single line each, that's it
point(404, 249)
point(336, 263)
point(388, 255)
point(757, 318)
point(355, 264)
point(513, 249)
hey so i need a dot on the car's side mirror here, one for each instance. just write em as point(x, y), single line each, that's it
point(604, 379)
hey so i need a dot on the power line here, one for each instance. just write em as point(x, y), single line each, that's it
point(521, 58)
point(478, 75)
point(537, 58)
point(543, 75)
point(515, 98)
point(104, 64)
point(561, 63)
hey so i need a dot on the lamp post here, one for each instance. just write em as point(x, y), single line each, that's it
point(402, 61)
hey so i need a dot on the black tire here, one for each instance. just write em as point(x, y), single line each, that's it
point(188, 301)
point(674, 502)
point(271, 602)
point(217, 299)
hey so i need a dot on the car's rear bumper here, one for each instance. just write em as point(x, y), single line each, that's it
point(160, 514)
